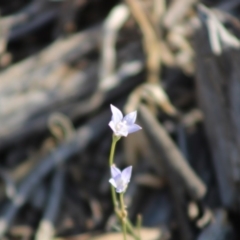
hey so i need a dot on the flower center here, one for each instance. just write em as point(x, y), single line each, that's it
point(121, 185)
point(121, 126)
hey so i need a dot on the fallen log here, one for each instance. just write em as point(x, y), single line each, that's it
point(107, 93)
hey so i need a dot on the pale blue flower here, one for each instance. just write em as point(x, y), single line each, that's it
point(120, 179)
point(122, 126)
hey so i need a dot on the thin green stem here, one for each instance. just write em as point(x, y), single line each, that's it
point(131, 229)
point(123, 215)
point(139, 225)
point(114, 198)
point(128, 225)
point(113, 192)
point(113, 146)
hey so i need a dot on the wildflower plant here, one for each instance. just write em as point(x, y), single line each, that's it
point(120, 179)
point(121, 126)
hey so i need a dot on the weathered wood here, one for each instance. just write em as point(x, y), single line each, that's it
point(177, 12)
point(171, 156)
point(48, 82)
point(46, 228)
point(30, 18)
point(181, 177)
point(75, 109)
point(219, 229)
point(75, 144)
point(38, 66)
point(218, 87)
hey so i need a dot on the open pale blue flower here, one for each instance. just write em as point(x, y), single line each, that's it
point(122, 126)
point(120, 179)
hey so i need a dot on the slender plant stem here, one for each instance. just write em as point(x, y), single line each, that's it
point(139, 225)
point(114, 141)
point(113, 192)
point(123, 216)
point(113, 146)
point(129, 226)
point(131, 229)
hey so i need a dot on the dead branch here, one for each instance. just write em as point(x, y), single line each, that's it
point(46, 228)
point(171, 156)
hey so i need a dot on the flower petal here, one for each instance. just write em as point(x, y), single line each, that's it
point(133, 128)
point(111, 180)
point(118, 180)
point(126, 174)
point(120, 184)
point(115, 171)
point(112, 126)
point(120, 190)
point(130, 118)
point(116, 114)
point(122, 132)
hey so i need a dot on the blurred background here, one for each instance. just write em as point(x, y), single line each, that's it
point(63, 62)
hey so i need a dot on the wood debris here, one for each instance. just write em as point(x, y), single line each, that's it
point(62, 63)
